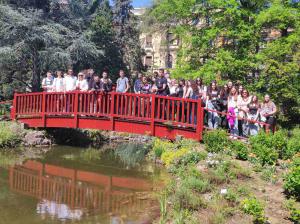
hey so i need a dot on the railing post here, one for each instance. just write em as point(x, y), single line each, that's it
point(112, 111)
point(13, 111)
point(44, 109)
point(199, 127)
point(76, 109)
point(152, 124)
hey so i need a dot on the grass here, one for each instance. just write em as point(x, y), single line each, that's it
point(10, 134)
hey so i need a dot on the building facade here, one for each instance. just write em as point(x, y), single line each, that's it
point(160, 47)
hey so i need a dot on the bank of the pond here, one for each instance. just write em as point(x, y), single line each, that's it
point(13, 134)
point(231, 182)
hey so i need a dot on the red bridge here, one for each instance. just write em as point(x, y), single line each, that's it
point(153, 115)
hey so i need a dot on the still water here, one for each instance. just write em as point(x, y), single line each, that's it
point(85, 186)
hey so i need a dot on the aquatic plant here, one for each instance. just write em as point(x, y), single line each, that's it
point(132, 154)
point(10, 134)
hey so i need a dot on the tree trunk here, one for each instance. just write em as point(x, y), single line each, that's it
point(36, 79)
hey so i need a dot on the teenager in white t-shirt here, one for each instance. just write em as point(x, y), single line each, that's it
point(58, 83)
point(81, 83)
point(70, 81)
point(47, 82)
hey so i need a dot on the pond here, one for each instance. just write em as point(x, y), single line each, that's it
point(74, 185)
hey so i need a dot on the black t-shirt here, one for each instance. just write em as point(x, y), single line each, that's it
point(159, 84)
point(180, 91)
point(97, 85)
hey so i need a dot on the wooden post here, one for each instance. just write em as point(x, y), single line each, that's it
point(44, 109)
point(76, 109)
point(199, 127)
point(152, 124)
point(112, 111)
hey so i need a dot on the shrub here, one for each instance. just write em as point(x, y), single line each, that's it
point(292, 178)
point(216, 141)
point(252, 206)
point(160, 146)
point(198, 184)
point(240, 149)
point(10, 134)
point(279, 143)
point(294, 209)
point(293, 145)
point(172, 156)
point(192, 157)
point(263, 149)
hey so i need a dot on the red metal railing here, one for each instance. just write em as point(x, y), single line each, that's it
point(148, 108)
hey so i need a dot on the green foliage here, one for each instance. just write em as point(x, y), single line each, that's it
point(240, 149)
point(10, 134)
point(160, 146)
point(216, 141)
point(294, 209)
point(193, 157)
point(255, 42)
point(292, 178)
point(255, 208)
point(263, 149)
point(293, 145)
point(172, 156)
point(269, 174)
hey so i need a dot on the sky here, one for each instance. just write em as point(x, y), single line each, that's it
point(141, 3)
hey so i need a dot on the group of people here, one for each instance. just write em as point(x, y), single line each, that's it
point(229, 106)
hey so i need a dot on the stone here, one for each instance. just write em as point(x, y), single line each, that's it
point(36, 138)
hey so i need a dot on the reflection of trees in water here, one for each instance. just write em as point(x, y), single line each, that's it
point(132, 154)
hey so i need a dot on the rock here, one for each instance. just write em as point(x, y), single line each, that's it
point(36, 138)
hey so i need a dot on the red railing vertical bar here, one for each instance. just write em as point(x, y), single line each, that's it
point(199, 127)
point(14, 110)
point(112, 111)
point(152, 124)
point(44, 109)
point(75, 108)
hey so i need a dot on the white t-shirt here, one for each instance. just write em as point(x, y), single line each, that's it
point(232, 102)
point(47, 84)
point(58, 85)
point(82, 85)
point(243, 105)
point(70, 83)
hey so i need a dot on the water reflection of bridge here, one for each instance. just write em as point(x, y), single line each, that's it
point(89, 191)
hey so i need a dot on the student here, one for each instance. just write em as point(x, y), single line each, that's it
point(47, 82)
point(137, 83)
point(268, 111)
point(81, 83)
point(253, 115)
point(122, 83)
point(96, 85)
point(161, 84)
point(242, 104)
point(233, 113)
point(173, 87)
point(240, 90)
point(224, 100)
point(106, 83)
point(90, 77)
point(180, 88)
point(202, 89)
point(58, 82)
point(230, 85)
point(145, 86)
point(188, 93)
point(70, 81)
point(213, 103)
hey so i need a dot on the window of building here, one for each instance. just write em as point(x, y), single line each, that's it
point(148, 61)
point(169, 61)
point(172, 39)
point(149, 41)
